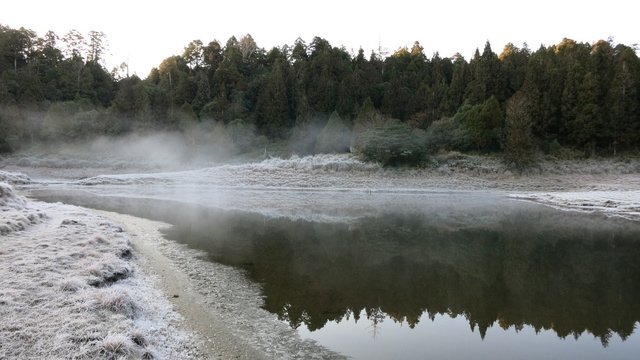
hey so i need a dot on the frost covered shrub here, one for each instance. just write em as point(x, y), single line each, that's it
point(72, 284)
point(14, 178)
point(110, 270)
point(138, 338)
point(394, 144)
point(9, 199)
point(117, 301)
point(116, 345)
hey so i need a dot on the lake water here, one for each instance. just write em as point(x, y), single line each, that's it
point(414, 276)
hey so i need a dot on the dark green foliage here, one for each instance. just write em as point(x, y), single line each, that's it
point(484, 123)
point(623, 100)
point(579, 95)
point(335, 137)
point(272, 108)
point(395, 144)
point(448, 134)
point(472, 128)
point(519, 149)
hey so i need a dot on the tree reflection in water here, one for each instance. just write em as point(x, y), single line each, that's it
point(509, 264)
point(562, 271)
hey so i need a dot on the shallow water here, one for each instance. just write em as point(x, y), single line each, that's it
point(440, 275)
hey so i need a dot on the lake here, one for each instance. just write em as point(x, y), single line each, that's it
point(416, 275)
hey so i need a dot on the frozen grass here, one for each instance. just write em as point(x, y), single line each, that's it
point(453, 171)
point(236, 302)
point(624, 204)
point(295, 171)
point(8, 198)
point(70, 288)
point(15, 215)
point(117, 301)
point(116, 345)
point(14, 178)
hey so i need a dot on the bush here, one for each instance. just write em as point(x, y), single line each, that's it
point(448, 134)
point(243, 135)
point(395, 144)
point(335, 137)
point(70, 120)
point(472, 128)
point(304, 136)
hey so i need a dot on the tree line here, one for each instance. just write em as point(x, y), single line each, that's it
point(395, 108)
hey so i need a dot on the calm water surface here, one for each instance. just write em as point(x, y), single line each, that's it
point(426, 275)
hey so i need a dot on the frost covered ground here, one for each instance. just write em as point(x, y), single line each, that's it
point(64, 262)
point(74, 284)
point(346, 172)
point(70, 288)
point(560, 183)
point(610, 186)
point(617, 203)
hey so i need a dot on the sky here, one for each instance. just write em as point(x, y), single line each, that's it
point(143, 33)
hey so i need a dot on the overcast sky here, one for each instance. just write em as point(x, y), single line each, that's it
point(146, 32)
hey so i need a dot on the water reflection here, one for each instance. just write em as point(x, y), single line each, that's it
point(511, 264)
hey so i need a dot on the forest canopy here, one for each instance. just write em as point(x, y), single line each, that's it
point(570, 95)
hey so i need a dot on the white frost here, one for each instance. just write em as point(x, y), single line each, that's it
point(296, 172)
point(15, 214)
point(14, 178)
point(69, 287)
point(616, 203)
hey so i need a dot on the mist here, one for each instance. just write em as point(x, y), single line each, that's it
point(74, 135)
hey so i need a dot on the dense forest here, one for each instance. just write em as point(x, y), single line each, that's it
point(321, 98)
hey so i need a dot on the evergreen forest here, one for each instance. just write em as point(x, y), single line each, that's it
point(395, 108)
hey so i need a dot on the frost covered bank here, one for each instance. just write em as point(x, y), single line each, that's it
point(625, 204)
point(346, 172)
point(605, 186)
point(69, 288)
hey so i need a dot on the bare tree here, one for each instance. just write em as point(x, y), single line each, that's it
point(75, 44)
point(248, 46)
point(97, 46)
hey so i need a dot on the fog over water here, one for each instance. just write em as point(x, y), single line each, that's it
point(372, 275)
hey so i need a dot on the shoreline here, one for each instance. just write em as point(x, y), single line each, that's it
point(219, 310)
point(344, 171)
point(217, 301)
point(179, 304)
point(70, 283)
point(217, 340)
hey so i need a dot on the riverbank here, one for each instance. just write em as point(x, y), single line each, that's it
point(451, 171)
point(217, 301)
point(71, 286)
point(121, 290)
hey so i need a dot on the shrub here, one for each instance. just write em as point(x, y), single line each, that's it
point(335, 137)
point(447, 134)
point(395, 144)
point(243, 134)
point(473, 127)
point(115, 345)
point(304, 136)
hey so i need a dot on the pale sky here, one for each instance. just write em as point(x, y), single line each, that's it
point(146, 32)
